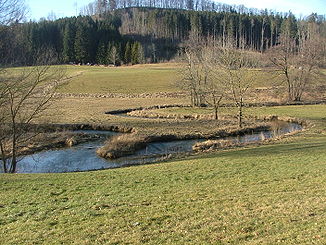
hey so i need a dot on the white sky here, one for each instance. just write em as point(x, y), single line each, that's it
point(41, 8)
point(298, 7)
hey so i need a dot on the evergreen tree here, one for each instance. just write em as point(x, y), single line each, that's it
point(68, 52)
point(127, 54)
point(137, 53)
point(101, 54)
point(81, 44)
point(134, 53)
point(141, 57)
point(289, 26)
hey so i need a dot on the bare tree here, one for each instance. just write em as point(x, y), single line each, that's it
point(195, 73)
point(298, 59)
point(11, 11)
point(198, 73)
point(25, 93)
point(234, 72)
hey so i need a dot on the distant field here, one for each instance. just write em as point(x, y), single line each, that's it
point(255, 195)
point(133, 79)
point(140, 79)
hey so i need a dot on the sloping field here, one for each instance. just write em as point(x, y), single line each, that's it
point(256, 195)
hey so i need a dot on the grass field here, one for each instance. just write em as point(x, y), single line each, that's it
point(140, 79)
point(255, 195)
point(126, 80)
point(267, 194)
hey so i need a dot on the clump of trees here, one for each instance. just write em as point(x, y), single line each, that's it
point(73, 40)
point(299, 56)
point(214, 71)
point(235, 72)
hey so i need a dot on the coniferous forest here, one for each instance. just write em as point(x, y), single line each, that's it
point(132, 32)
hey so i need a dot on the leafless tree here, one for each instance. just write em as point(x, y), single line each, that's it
point(12, 11)
point(195, 73)
point(298, 59)
point(233, 70)
point(198, 73)
point(25, 93)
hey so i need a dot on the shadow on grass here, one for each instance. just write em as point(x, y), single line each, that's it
point(276, 149)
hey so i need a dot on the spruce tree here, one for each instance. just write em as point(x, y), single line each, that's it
point(81, 45)
point(101, 54)
point(68, 44)
point(127, 55)
point(134, 53)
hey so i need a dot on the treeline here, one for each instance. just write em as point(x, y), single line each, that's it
point(80, 39)
point(103, 6)
point(116, 32)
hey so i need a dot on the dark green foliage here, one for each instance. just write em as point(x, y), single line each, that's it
point(137, 53)
point(101, 53)
point(144, 34)
point(127, 54)
point(68, 52)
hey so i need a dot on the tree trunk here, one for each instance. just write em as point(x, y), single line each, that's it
point(3, 158)
point(216, 112)
point(13, 164)
point(240, 112)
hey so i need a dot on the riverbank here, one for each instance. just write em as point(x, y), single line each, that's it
point(263, 194)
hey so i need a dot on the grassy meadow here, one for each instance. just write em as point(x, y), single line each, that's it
point(259, 194)
point(149, 78)
point(126, 80)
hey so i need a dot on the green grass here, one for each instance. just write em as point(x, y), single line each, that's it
point(138, 79)
point(255, 195)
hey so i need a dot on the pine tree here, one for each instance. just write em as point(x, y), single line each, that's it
point(141, 56)
point(137, 53)
point(68, 44)
point(127, 55)
point(101, 54)
point(134, 53)
point(80, 45)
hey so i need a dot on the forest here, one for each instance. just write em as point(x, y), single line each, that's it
point(133, 32)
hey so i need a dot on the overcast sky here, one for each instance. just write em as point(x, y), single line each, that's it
point(62, 8)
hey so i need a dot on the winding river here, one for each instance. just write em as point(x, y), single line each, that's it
point(83, 157)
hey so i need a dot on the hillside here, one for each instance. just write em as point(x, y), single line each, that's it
point(133, 35)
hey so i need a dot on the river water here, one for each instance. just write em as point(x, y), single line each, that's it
point(83, 157)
